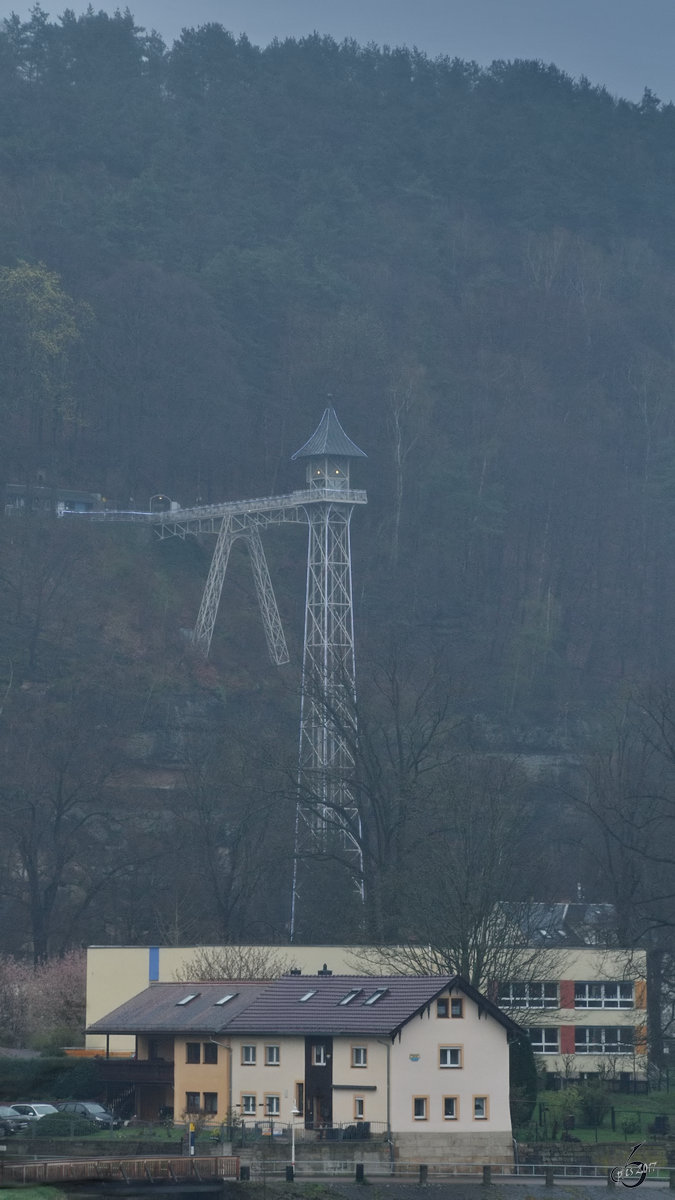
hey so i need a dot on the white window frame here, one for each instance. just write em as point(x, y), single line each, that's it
point(272, 1056)
point(248, 1054)
point(454, 1115)
point(249, 1104)
point(604, 994)
point(272, 1104)
point(447, 1053)
point(480, 1108)
point(359, 1056)
point(528, 994)
point(603, 1039)
point(423, 1102)
point(319, 1054)
point(545, 1039)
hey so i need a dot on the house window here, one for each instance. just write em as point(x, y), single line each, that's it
point(272, 1106)
point(272, 1056)
point(210, 1053)
point(420, 1105)
point(443, 1007)
point(192, 1102)
point(248, 1056)
point(359, 1056)
point(450, 1108)
point(480, 1108)
point(450, 1056)
point(528, 995)
point(318, 1055)
point(603, 995)
point(456, 1006)
point(249, 1104)
point(192, 1052)
point(210, 1102)
point(613, 1039)
point(359, 1108)
point(544, 1039)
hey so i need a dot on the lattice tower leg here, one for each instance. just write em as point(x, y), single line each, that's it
point(208, 610)
point(276, 641)
point(325, 800)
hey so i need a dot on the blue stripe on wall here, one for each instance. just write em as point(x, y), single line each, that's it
point(153, 964)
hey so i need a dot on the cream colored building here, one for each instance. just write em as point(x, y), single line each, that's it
point(423, 1057)
point(585, 1012)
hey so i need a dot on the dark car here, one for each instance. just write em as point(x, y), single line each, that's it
point(91, 1111)
point(10, 1121)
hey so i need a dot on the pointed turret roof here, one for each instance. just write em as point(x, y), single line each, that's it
point(329, 439)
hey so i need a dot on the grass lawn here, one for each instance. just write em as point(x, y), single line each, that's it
point(32, 1193)
point(632, 1117)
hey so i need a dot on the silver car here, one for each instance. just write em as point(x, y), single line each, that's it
point(33, 1112)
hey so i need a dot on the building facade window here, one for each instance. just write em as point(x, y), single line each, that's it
point(443, 1007)
point(450, 1108)
point(272, 1106)
point(210, 1053)
point(359, 1108)
point(612, 1039)
point(528, 995)
point(480, 1108)
point(249, 1104)
point(211, 1102)
point(272, 1056)
point(359, 1056)
point(456, 1006)
point(420, 1108)
point(544, 1039)
point(450, 1056)
point(248, 1056)
point(192, 1102)
point(192, 1052)
point(603, 995)
point(318, 1055)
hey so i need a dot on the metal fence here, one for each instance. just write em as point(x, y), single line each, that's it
point(123, 1169)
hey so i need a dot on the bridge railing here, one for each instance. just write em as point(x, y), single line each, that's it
point(57, 1170)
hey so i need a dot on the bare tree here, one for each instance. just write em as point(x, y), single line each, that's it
point(234, 962)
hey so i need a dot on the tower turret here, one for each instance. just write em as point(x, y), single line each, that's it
point(328, 452)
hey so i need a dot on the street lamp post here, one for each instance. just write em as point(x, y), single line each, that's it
point(295, 1113)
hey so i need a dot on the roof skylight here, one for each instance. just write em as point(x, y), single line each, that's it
point(350, 996)
point(377, 995)
point(224, 999)
point(307, 996)
point(188, 998)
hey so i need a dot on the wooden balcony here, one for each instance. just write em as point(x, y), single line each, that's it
point(135, 1070)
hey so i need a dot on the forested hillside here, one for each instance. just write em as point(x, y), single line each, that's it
point(198, 245)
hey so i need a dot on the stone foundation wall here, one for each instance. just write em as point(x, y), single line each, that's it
point(479, 1148)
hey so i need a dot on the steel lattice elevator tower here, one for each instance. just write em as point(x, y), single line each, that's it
point(326, 810)
point(327, 817)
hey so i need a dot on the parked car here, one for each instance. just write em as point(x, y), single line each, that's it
point(10, 1121)
point(91, 1111)
point(33, 1112)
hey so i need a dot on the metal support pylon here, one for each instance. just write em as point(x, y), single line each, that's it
point(326, 809)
